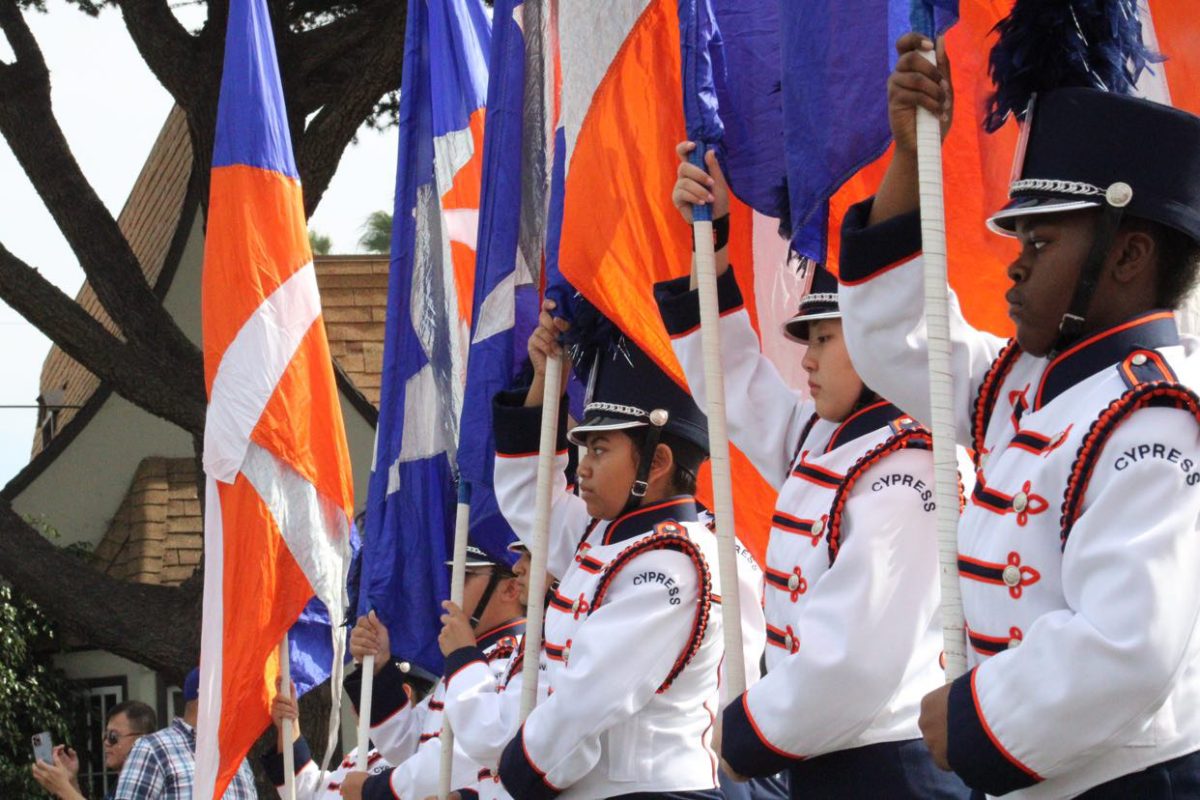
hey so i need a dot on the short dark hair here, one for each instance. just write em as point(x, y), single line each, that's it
point(142, 718)
point(687, 454)
point(1177, 263)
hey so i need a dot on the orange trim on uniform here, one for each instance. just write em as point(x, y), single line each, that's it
point(877, 272)
point(992, 736)
point(534, 454)
point(1133, 323)
point(758, 732)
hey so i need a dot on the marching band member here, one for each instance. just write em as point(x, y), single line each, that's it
point(1079, 545)
point(852, 595)
point(632, 638)
point(413, 742)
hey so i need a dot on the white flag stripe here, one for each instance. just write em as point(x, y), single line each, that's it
point(251, 368)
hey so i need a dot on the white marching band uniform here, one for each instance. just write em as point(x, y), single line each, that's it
point(411, 739)
point(633, 639)
point(1079, 544)
point(852, 595)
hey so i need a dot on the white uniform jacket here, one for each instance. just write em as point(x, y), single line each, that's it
point(852, 596)
point(417, 772)
point(632, 639)
point(388, 724)
point(1079, 544)
point(311, 783)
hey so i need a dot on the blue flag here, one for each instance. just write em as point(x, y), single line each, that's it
point(836, 62)
point(411, 496)
point(505, 303)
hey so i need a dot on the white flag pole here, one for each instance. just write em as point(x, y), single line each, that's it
point(941, 382)
point(541, 535)
point(289, 755)
point(458, 578)
point(718, 442)
point(365, 698)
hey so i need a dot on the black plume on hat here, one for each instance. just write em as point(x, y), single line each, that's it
point(1054, 44)
point(625, 387)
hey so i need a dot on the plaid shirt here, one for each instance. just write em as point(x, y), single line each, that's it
point(162, 766)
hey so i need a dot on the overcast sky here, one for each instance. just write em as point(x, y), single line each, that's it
point(111, 108)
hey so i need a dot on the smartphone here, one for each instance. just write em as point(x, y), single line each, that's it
point(43, 747)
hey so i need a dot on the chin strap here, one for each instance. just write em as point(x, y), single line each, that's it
point(641, 483)
point(493, 581)
point(1116, 198)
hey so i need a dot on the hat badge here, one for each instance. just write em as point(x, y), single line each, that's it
point(659, 417)
point(1118, 194)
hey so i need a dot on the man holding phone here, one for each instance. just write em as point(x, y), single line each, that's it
point(126, 723)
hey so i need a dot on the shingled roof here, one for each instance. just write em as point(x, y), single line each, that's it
point(157, 535)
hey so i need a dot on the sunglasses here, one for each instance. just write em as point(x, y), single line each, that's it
point(111, 737)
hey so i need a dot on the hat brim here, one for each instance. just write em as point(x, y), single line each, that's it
point(796, 328)
point(1004, 221)
point(578, 435)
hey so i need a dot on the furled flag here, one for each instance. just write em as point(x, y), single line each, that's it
point(411, 495)
point(279, 496)
point(505, 306)
point(622, 116)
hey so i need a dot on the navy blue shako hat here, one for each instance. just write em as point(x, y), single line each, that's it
point(819, 301)
point(626, 389)
point(1087, 148)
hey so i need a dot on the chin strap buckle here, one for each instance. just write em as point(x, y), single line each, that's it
point(639, 488)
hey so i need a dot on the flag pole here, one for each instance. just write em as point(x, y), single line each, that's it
point(458, 579)
point(541, 534)
point(365, 697)
point(718, 441)
point(941, 380)
point(289, 755)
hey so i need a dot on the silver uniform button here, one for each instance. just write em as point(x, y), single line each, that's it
point(818, 527)
point(788, 641)
point(1012, 575)
point(566, 653)
point(1013, 643)
point(1138, 359)
point(1019, 502)
point(575, 606)
point(794, 582)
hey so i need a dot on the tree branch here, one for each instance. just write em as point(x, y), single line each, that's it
point(141, 376)
point(153, 625)
point(28, 124)
point(320, 148)
point(167, 48)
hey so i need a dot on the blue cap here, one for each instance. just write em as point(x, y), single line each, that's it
point(191, 686)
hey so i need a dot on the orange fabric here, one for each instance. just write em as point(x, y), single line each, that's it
point(1179, 40)
point(257, 238)
point(976, 171)
point(621, 234)
point(302, 423)
point(264, 593)
point(464, 195)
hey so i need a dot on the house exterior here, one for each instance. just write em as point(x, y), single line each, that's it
point(121, 483)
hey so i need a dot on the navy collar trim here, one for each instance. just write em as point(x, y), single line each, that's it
point(874, 416)
point(512, 628)
point(640, 520)
point(1148, 331)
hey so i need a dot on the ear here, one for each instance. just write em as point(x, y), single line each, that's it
point(662, 466)
point(1135, 252)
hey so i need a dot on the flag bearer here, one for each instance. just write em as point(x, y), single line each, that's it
point(852, 596)
point(1078, 548)
point(413, 743)
point(633, 636)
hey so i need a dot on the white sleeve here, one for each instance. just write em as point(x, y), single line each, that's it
point(1108, 661)
point(484, 717)
point(518, 433)
point(612, 674)
point(864, 621)
point(882, 299)
point(309, 782)
point(765, 416)
point(397, 737)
